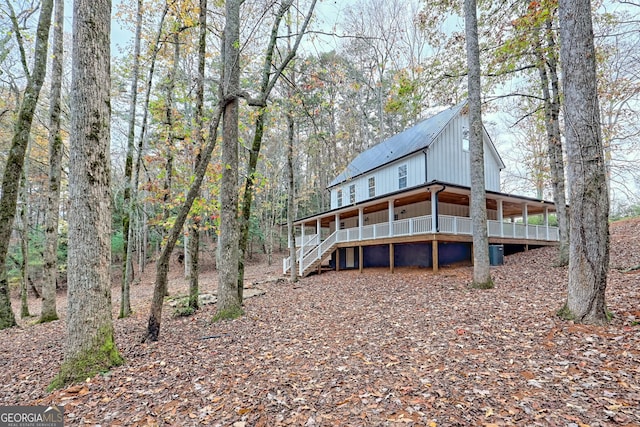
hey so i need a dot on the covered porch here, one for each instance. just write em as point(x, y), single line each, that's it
point(432, 214)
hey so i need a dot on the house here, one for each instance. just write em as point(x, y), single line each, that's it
point(405, 202)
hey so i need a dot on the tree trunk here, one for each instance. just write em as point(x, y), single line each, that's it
point(291, 201)
point(194, 236)
point(228, 305)
point(15, 159)
point(49, 311)
point(141, 139)
point(169, 123)
point(269, 78)
point(589, 196)
point(24, 242)
point(291, 190)
point(162, 265)
point(90, 346)
point(481, 272)
point(194, 258)
point(127, 263)
point(556, 160)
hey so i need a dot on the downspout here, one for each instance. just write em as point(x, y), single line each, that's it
point(436, 207)
point(426, 166)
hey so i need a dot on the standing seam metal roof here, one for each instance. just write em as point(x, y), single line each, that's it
point(414, 139)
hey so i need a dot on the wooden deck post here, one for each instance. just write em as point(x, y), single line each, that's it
point(360, 259)
point(338, 259)
point(391, 258)
point(434, 255)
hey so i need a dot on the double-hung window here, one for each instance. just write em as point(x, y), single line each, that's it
point(352, 193)
point(402, 176)
point(339, 196)
point(372, 186)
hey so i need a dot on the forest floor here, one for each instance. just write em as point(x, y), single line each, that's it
point(411, 348)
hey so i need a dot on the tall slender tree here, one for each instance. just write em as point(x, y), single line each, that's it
point(15, 159)
point(49, 311)
point(481, 272)
point(589, 195)
point(268, 81)
point(193, 248)
point(228, 305)
point(127, 233)
point(24, 239)
point(90, 346)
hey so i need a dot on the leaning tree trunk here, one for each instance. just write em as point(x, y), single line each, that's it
point(48, 311)
point(589, 195)
point(127, 233)
point(481, 272)
point(15, 159)
point(90, 346)
point(162, 265)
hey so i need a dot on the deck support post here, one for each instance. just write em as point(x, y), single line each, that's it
point(360, 259)
point(391, 258)
point(434, 212)
point(338, 259)
point(360, 221)
point(302, 227)
point(525, 220)
point(501, 217)
point(434, 256)
point(392, 216)
point(546, 221)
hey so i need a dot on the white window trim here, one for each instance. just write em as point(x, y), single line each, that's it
point(405, 176)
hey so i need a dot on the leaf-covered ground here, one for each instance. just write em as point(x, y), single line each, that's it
point(411, 348)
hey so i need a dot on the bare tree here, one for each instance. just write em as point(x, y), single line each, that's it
point(589, 195)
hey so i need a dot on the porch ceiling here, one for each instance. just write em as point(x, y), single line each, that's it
point(512, 206)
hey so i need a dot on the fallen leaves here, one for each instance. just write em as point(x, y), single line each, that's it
point(411, 348)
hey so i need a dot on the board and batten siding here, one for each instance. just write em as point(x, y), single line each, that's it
point(447, 161)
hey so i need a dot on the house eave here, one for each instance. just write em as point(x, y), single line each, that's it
point(407, 193)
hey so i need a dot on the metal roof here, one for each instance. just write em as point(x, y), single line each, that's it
point(398, 146)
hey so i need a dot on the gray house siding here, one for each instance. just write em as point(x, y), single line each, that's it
point(448, 161)
point(430, 151)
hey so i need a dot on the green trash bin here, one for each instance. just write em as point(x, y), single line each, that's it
point(496, 254)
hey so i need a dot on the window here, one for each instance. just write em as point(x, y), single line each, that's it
point(352, 193)
point(465, 139)
point(372, 186)
point(402, 176)
point(339, 198)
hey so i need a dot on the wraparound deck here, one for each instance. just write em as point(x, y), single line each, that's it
point(314, 249)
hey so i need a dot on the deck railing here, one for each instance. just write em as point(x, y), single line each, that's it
point(413, 227)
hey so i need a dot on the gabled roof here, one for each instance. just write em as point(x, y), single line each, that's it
point(398, 146)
